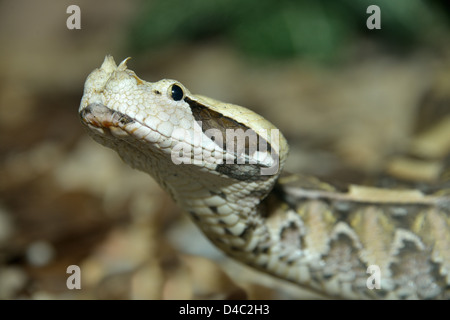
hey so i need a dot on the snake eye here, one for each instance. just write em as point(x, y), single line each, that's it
point(176, 93)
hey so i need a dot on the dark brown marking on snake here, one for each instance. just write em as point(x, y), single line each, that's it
point(258, 250)
point(343, 255)
point(124, 119)
point(220, 194)
point(258, 193)
point(328, 276)
point(211, 119)
point(242, 172)
point(194, 215)
point(290, 262)
point(247, 141)
point(425, 273)
point(214, 209)
point(97, 113)
point(219, 240)
point(380, 293)
point(244, 232)
point(290, 235)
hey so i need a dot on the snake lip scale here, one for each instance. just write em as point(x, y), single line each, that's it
point(293, 227)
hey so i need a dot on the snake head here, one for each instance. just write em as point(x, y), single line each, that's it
point(165, 130)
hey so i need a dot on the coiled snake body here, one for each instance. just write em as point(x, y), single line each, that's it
point(361, 242)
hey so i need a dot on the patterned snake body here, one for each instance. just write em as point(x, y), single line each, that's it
point(336, 242)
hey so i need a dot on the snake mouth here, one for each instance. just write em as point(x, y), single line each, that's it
point(104, 120)
point(100, 116)
point(108, 123)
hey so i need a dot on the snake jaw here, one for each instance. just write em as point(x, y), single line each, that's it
point(106, 121)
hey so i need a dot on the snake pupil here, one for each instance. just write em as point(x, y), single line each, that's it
point(177, 93)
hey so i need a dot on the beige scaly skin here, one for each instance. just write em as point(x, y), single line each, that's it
point(303, 231)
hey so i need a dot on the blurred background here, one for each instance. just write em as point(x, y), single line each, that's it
point(346, 98)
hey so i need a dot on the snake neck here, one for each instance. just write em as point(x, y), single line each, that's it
point(234, 218)
point(229, 212)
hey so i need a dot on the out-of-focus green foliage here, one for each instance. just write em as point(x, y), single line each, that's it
point(282, 28)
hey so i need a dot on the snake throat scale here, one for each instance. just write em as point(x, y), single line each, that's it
point(295, 228)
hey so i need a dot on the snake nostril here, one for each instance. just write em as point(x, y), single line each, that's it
point(124, 119)
point(86, 111)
